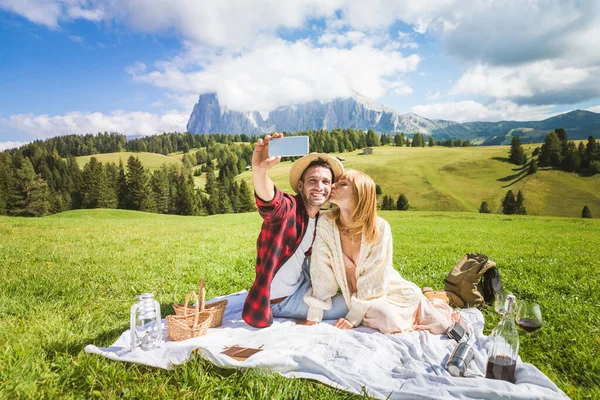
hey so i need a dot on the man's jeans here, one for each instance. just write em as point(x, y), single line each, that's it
point(294, 306)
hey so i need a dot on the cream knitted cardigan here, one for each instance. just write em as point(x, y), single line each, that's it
point(376, 278)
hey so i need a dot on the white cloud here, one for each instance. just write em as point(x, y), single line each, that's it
point(595, 109)
point(11, 145)
point(276, 72)
point(76, 39)
point(543, 80)
point(40, 12)
point(501, 110)
point(51, 12)
point(130, 123)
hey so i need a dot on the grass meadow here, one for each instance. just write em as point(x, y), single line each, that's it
point(150, 161)
point(459, 179)
point(69, 280)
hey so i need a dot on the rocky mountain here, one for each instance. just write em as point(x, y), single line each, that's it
point(209, 116)
point(360, 112)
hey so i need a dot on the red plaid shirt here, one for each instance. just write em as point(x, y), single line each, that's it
point(285, 221)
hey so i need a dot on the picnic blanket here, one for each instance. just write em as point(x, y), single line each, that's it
point(408, 365)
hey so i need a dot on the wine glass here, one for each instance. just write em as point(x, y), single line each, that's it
point(500, 302)
point(529, 316)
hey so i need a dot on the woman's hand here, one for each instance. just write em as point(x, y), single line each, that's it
point(343, 323)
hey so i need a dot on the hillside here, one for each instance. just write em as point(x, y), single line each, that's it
point(151, 161)
point(459, 179)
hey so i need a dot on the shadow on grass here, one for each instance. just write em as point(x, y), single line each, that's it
point(516, 177)
point(55, 349)
point(502, 159)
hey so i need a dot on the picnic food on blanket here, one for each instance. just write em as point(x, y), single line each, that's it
point(240, 353)
point(145, 324)
point(216, 309)
point(472, 282)
point(504, 345)
point(191, 323)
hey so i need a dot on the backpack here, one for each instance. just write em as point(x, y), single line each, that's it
point(473, 281)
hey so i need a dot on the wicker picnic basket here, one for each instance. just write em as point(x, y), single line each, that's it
point(190, 323)
point(216, 309)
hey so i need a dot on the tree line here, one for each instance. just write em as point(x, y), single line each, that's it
point(558, 152)
point(322, 141)
point(35, 182)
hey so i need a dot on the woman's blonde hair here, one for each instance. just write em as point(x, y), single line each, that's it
point(364, 217)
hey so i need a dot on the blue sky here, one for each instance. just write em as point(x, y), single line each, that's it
point(138, 66)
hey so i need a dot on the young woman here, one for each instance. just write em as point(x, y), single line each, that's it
point(353, 252)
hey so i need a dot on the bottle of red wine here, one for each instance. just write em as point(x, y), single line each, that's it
point(503, 347)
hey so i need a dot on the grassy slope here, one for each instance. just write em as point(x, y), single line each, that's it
point(151, 161)
point(459, 179)
point(68, 280)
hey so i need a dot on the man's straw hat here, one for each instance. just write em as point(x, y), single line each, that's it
point(300, 165)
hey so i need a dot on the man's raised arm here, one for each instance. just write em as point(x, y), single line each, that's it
point(261, 164)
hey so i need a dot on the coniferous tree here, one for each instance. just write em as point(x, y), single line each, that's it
point(387, 203)
point(245, 200)
point(378, 190)
point(96, 191)
point(517, 154)
point(159, 182)
point(399, 139)
point(402, 203)
point(591, 148)
point(519, 204)
point(372, 139)
point(122, 187)
point(586, 212)
point(551, 152)
point(572, 160)
point(5, 182)
point(210, 184)
point(509, 204)
point(186, 200)
point(75, 178)
point(431, 142)
point(484, 208)
point(29, 194)
point(533, 167)
point(139, 193)
point(223, 201)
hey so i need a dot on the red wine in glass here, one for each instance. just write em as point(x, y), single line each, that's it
point(529, 316)
point(529, 324)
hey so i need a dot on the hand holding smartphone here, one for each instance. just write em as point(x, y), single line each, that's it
point(289, 146)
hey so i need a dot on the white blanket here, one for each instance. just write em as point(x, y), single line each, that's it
point(408, 365)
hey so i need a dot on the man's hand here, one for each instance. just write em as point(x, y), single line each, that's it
point(260, 156)
point(306, 322)
point(343, 323)
point(261, 163)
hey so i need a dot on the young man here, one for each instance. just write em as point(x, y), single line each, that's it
point(286, 236)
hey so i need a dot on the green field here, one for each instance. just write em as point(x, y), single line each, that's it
point(459, 179)
point(151, 161)
point(69, 280)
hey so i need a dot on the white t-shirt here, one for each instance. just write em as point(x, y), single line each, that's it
point(287, 280)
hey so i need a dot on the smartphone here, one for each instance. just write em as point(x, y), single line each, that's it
point(288, 146)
